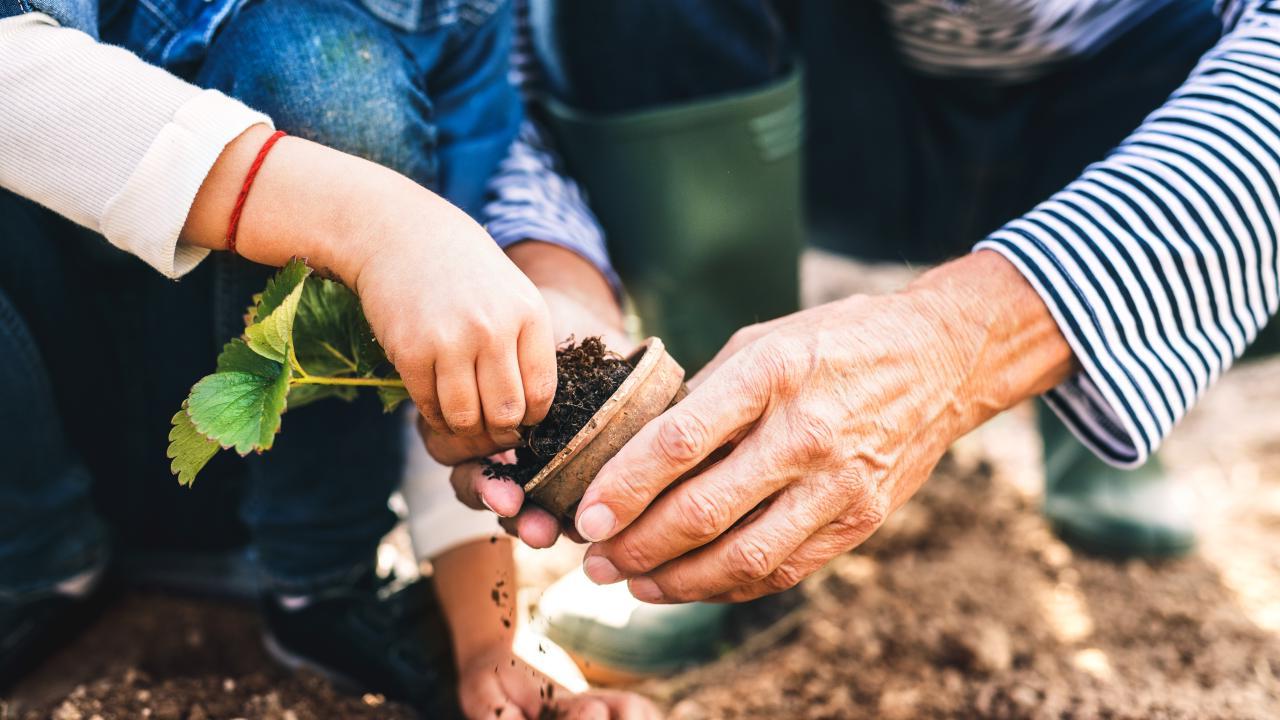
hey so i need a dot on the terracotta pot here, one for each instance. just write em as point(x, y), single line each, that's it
point(656, 383)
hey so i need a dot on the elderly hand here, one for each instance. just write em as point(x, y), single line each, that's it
point(582, 305)
point(804, 433)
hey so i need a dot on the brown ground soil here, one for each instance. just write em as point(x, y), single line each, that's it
point(154, 656)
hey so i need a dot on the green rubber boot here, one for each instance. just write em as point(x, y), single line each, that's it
point(616, 639)
point(1106, 511)
point(701, 204)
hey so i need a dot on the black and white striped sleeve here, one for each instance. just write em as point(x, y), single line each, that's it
point(1160, 262)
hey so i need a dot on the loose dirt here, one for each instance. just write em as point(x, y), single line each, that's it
point(166, 658)
point(587, 375)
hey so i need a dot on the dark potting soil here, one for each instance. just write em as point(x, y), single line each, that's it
point(587, 375)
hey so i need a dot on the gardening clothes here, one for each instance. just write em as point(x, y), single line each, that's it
point(99, 350)
point(1159, 261)
point(684, 121)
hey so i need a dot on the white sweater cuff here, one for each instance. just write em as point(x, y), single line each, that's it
point(107, 140)
point(437, 520)
point(147, 215)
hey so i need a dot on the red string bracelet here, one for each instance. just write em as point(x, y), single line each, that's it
point(234, 226)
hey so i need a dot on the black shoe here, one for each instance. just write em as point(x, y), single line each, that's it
point(367, 639)
point(32, 629)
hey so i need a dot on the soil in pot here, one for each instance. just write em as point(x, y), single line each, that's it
point(587, 375)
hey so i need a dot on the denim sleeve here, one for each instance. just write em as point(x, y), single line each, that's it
point(79, 14)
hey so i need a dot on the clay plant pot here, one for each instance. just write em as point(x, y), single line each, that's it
point(655, 384)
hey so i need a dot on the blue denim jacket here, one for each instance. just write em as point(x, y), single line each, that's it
point(172, 33)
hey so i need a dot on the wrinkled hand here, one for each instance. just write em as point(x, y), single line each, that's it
point(581, 305)
point(497, 685)
point(827, 420)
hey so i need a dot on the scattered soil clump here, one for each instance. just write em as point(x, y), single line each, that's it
point(587, 375)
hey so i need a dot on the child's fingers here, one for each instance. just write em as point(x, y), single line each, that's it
point(537, 528)
point(459, 397)
point(626, 705)
point(452, 449)
point(421, 384)
point(479, 492)
point(502, 496)
point(537, 348)
point(502, 396)
point(582, 707)
point(484, 698)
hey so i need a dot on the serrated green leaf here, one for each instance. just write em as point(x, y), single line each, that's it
point(279, 287)
point(189, 450)
point(331, 336)
point(240, 405)
point(272, 330)
point(237, 357)
point(391, 397)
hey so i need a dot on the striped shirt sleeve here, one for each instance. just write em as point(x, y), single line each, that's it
point(1159, 263)
point(532, 197)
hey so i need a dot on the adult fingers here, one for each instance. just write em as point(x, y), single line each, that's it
point(744, 556)
point(459, 397)
point(537, 358)
point(836, 538)
point(502, 396)
point(668, 447)
point(691, 514)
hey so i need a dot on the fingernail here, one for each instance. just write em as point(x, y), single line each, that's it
point(600, 571)
point(645, 589)
point(485, 501)
point(596, 523)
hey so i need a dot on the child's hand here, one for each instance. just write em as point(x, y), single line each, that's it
point(497, 685)
point(582, 304)
point(467, 331)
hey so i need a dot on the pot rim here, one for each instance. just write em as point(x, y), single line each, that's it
point(645, 360)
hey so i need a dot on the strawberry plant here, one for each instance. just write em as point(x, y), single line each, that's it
point(305, 339)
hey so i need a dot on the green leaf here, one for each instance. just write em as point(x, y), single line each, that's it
point(392, 397)
point(237, 357)
point(272, 329)
point(240, 405)
point(188, 449)
point(331, 336)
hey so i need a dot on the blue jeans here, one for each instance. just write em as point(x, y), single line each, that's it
point(98, 350)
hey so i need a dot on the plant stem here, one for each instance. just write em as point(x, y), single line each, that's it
point(356, 382)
